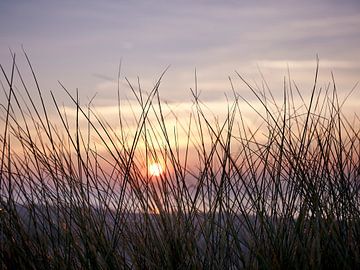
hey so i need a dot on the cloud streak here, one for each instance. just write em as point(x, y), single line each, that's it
point(72, 41)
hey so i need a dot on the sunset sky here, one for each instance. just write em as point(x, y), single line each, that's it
point(80, 43)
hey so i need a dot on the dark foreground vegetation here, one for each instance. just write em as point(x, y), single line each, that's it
point(284, 195)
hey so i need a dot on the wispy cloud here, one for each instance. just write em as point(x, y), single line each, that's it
point(306, 64)
point(72, 41)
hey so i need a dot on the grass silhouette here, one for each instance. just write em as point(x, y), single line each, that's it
point(283, 195)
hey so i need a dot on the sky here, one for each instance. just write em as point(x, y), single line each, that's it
point(81, 43)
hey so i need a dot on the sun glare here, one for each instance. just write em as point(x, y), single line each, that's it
point(155, 169)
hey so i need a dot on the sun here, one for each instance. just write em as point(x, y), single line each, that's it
point(155, 169)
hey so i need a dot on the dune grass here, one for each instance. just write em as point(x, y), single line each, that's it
point(283, 195)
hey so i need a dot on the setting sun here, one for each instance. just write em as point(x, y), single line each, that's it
point(155, 169)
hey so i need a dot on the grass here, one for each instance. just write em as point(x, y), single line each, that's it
point(284, 194)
